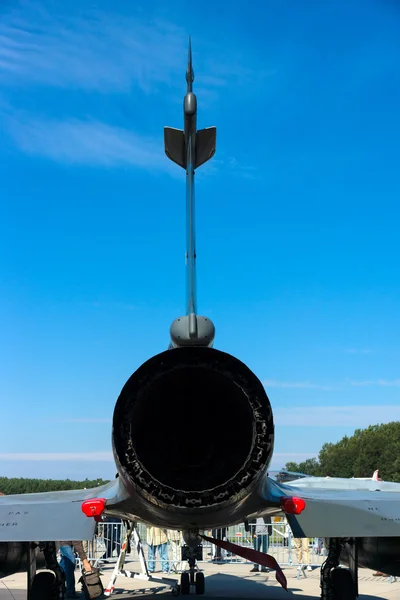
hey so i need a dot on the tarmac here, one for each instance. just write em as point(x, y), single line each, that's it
point(226, 581)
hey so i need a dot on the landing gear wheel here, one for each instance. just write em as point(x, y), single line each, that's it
point(343, 584)
point(185, 584)
point(176, 590)
point(43, 586)
point(199, 583)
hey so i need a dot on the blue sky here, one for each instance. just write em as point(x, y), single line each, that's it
point(297, 213)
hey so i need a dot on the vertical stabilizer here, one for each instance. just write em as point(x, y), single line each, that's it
point(189, 149)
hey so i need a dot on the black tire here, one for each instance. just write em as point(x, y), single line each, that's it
point(185, 584)
point(43, 586)
point(200, 584)
point(343, 584)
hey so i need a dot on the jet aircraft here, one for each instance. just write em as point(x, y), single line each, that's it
point(195, 489)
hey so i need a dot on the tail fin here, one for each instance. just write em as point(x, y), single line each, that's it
point(174, 144)
point(206, 141)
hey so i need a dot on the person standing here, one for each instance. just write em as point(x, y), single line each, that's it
point(260, 538)
point(218, 553)
point(157, 542)
point(67, 563)
point(303, 553)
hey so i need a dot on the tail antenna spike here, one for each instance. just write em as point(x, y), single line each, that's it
point(189, 70)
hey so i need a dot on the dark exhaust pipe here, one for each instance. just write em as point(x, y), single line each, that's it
point(192, 427)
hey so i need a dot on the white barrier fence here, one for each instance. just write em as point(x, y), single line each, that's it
point(106, 545)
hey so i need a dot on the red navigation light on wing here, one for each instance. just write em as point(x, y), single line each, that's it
point(292, 505)
point(94, 507)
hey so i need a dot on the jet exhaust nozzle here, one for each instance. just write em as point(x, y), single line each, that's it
point(192, 428)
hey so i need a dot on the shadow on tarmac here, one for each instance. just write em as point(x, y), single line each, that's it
point(218, 586)
point(221, 586)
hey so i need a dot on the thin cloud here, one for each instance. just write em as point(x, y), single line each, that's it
point(96, 144)
point(379, 382)
point(226, 70)
point(358, 351)
point(231, 166)
point(305, 385)
point(245, 171)
point(90, 143)
point(80, 420)
point(106, 51)
point(58, 456)
point(336, 416)
point(91, 50)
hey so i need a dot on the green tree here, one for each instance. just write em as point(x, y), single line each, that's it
point(32, 486)
point(376, 447)
point(309, 467)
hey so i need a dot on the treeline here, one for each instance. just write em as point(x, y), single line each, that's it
point(376, 447)
point(20, 485)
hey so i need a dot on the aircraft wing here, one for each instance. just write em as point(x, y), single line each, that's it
point(336, 507)
point(51, 516)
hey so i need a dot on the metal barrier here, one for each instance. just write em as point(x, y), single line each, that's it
point(106, 544)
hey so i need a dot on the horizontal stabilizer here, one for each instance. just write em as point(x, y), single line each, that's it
point(206, 140)
point(174, 144)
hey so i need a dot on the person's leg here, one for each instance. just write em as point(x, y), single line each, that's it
point(319, 546)
point(163, 551)
point(150, 558)
point(218, 549)
point(264, 546)
point(67, 563)
point(109, 552)
point(223, 537)
point(108, 541)
point(118, 538)
point(306, 552)
point(175, 547)
point(214, 547)
point(265, 543)
point(112, 540)
point(256, 546)
point(298, 543)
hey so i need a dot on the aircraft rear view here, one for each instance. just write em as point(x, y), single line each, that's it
point(217, 420)
point(192, 389)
